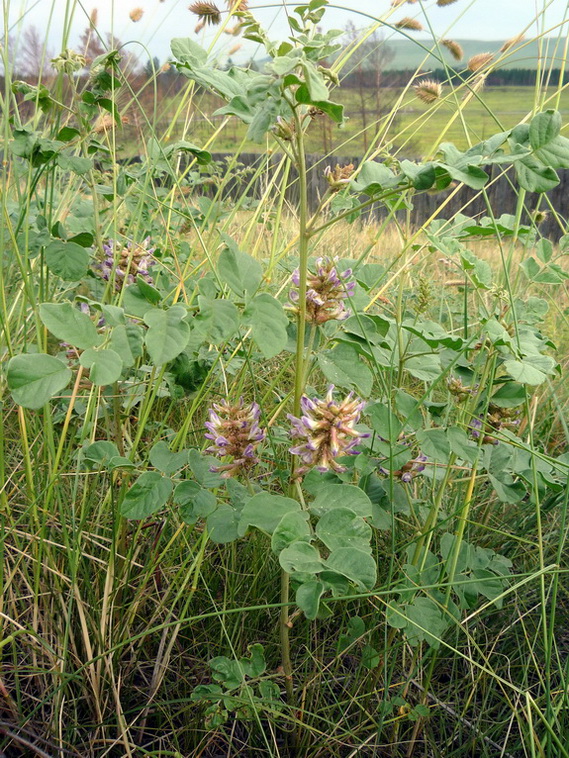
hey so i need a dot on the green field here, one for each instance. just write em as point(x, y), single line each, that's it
point(405, 124)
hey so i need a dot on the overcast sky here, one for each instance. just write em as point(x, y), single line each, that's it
point(163, 20)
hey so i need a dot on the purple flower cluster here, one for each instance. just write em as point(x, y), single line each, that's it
point(126, 261)
point(234, 431)
point(325, 431)
point(495, 419)
point(326, 291)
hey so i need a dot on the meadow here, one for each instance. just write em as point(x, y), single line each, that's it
point(277, 477)
point(396, 118)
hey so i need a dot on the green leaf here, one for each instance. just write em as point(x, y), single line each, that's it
point(544, 250)
point(341, 527)
point(370, 657)
point(265, 116)
point(195, 502)
point(149, 292)
point(534, 176)
point(426, 367)
point(479, 271)
point(384, 422)
point(185, 49)
point(264, 511)
point(356, 565)
point(135, 303)
point(472, 176)
point(334, 110)
point(332, 496)
point(434, 444)
point(33, 379)
point(509, 395)
point(68, 260)
point(217, 320)
point(105, 366)
point(373, 177)
point(302, 557)
point(70, 325)
point(166, 461)
point(531, 371)
point(201, 465)
point(74, 163)
point(167, 334)
point(147, 495)
point(308, 598)
point(461, 445)
point(99, 454)
point(543, 128)
point(268, 323)
point(425, 622)
point(240, 271)
point(293, 526)
point(222, 525)
point(344, 367)
point(315, 82)
point(126, 340)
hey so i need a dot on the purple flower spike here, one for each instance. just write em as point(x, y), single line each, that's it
point(326, 431)
point(127, 261)
point(325, 292)
point(234, 431)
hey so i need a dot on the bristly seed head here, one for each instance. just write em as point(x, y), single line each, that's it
point(509, 43)
point(206, 12)
point(326, 291)
point(428, 90)
point(234, 431)
point(480, 61)
point(454, 48)
point(325, 431)
point(237, 5)
point(409, 23)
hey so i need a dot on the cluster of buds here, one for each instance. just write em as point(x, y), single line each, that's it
point(326, 291)
point(459, 390)
point(69, 62)
point(127, 262)
point(284, 129)
point(339, 176)
point(325, 431)
point(235, 432)
point(496, 419)
point(409, 470)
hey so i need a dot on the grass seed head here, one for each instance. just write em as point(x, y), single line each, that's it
point(136, 14)
point(235, 48)
point(237, 5)
point(442, 3)
point(454, 48)
point(428, 90)
point(480, 61)
point(409, 23)
point(509, 43)
point(208, 13)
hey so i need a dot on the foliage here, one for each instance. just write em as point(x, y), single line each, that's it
point(220, 424)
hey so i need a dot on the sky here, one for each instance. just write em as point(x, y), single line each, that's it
point(164, 19)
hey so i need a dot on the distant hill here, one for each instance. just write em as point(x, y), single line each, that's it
point(407, 55)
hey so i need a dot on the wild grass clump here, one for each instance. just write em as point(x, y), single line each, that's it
point(284, 471)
